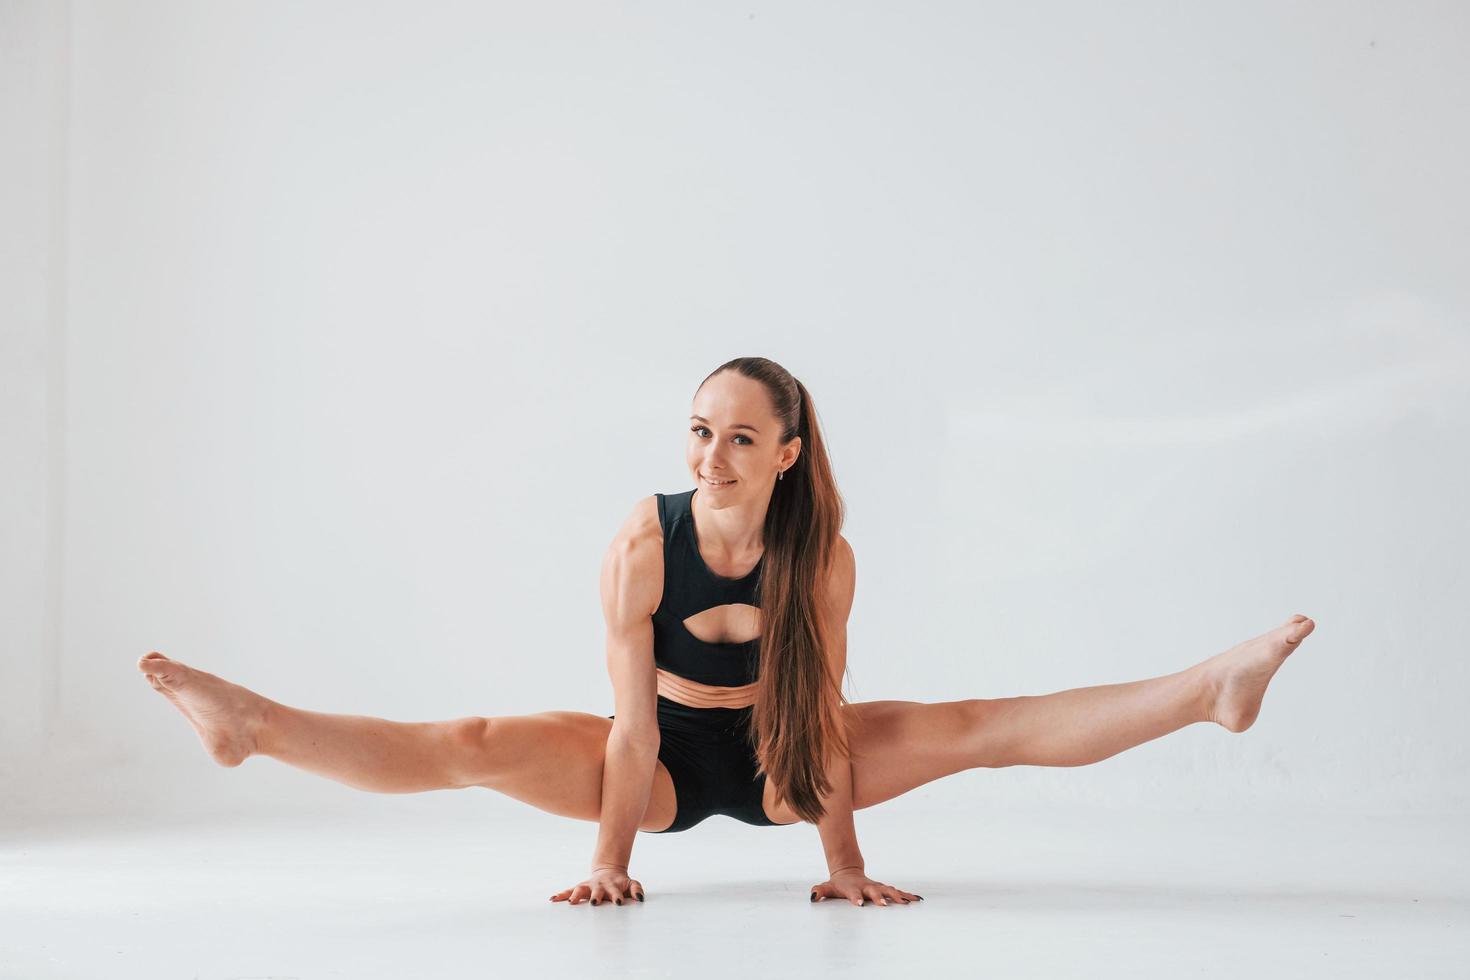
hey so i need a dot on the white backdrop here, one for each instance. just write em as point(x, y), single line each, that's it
point(338, 341)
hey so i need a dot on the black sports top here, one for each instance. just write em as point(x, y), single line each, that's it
point(689, 588)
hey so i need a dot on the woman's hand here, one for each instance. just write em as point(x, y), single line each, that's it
point(855, 886)
point(608, 884)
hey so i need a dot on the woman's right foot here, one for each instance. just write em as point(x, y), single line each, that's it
point(226, 716)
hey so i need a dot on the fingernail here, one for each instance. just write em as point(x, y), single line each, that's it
point(640, 898)
point(814, 896)
point(594, 901)
point(620, 901)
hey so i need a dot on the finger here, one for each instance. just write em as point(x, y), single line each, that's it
point(635, 888)
point(579, 894)
point(875, 892)
point(855, 896)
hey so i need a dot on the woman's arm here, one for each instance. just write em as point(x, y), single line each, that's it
point(847, 877)
point(838, 833)
point(837, 830)
point(632, 585)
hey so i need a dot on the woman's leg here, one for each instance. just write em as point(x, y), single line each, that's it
point(900, 745)
point(552, 760)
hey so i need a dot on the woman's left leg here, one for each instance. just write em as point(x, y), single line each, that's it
point(900, 745)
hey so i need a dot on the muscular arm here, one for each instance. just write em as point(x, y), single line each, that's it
point(838, 833)
point(632, 583)
point(837, 830)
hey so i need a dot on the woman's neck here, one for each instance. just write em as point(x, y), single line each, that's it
point(732, 532)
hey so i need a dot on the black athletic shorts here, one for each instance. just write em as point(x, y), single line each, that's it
point(712, 764)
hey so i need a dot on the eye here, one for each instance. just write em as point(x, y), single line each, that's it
point(699, 430)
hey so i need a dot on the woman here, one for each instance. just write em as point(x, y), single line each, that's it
point(726, 611)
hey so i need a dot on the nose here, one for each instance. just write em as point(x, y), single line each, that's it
point(714, 462)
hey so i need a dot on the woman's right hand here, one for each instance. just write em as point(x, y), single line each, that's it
point(607, 884)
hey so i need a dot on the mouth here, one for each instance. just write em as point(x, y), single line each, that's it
point(718, 484)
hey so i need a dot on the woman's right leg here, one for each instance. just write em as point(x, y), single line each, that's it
point(552, 760)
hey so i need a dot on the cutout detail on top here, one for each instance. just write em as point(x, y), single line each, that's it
point(735, 622)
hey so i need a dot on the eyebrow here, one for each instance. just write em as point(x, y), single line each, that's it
point(737, 425)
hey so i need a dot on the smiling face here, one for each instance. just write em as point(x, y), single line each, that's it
point(735, 448)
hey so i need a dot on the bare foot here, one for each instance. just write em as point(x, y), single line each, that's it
point(226, 716)
point(1235, 681)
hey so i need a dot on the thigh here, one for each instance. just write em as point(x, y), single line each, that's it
point(553, 761)
point(897, 746)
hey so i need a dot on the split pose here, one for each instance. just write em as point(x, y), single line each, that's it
point(726, 610)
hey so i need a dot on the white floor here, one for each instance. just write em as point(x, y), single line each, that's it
point(405, 890)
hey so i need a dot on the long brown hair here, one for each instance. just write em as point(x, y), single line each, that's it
point(796, 721)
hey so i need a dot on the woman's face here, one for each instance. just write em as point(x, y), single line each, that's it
point(734, 448)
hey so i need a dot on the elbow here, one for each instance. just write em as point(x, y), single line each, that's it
point(644, 737)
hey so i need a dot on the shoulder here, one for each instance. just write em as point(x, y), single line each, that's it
point(844, 562)
point(841, 575)
point(640, 533)
point(633, 566)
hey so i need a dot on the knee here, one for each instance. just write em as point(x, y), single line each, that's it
point(468, 740)
point(984, 734)
point(976, 714)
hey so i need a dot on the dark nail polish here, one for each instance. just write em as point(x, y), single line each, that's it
point(640, 898)
point(620, 901)
point(594, 901)
point(814, 896)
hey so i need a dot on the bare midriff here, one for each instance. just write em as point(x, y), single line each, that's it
point(697, 695)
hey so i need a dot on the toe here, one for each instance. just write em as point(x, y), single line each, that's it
point(163, 672)
point(1298, 629)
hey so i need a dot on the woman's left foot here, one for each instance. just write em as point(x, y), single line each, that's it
point(1235, 681)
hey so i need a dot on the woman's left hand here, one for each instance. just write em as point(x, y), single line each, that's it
point(855, 886)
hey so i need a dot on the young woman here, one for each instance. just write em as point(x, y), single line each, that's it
point(726, 611)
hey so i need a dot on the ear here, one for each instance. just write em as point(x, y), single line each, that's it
point(790, 453)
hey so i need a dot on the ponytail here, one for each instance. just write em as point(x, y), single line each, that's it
point(796, 721)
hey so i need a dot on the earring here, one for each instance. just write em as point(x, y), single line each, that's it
point(781, 475)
